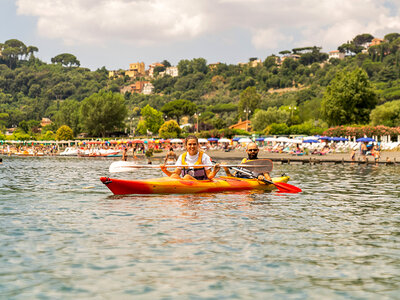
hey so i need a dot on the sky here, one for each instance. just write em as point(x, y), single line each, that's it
point(114, 33)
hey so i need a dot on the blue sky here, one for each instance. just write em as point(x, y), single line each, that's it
point(114, 33)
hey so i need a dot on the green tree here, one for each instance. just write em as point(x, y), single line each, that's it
point(103, 112)
point(48, 136)
point(13, 50)
point(387, 114)
point(277, 129)
point(64, 133)
point(141, 128)
point(66, 59)
point(3, 120)
point(262, 118)
point(248, 102)
point(170, 129)
point(152, 117)
point(349, 98)
point(178, 108)
point(68, 114)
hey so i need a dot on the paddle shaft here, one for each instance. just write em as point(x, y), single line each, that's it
point(282, 187)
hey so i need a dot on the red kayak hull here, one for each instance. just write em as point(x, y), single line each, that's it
point(166, 185)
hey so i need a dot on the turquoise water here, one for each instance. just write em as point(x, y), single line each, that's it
point(63, 235)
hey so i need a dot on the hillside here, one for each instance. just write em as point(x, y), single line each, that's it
point(290, 85)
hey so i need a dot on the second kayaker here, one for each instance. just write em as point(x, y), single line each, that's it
point(252, 154)
point(192, 157)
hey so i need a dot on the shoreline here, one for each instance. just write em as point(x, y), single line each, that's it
point(238, 155)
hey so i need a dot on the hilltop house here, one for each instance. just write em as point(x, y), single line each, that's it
point(336, 54)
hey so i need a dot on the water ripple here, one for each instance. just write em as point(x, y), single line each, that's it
point(63, 235)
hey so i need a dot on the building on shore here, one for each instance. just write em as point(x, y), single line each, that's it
point(244, 125)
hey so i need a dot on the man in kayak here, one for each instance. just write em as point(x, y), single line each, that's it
point(252, 154)
point(192, 157)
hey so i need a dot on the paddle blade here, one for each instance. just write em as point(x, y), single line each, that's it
point(287, 188)
point(259, 166)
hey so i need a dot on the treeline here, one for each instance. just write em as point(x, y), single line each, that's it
point(299, 88)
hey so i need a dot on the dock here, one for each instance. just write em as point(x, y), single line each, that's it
point(328, 160)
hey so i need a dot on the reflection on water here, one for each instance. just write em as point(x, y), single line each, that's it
point(64, 235)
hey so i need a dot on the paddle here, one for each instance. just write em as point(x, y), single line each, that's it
point(125, 166)
point(281, 186)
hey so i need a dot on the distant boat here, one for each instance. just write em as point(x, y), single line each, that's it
point(69, 151)
point(99, 153)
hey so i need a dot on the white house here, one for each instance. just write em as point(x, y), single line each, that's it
point(148, 88)
point(336, 54)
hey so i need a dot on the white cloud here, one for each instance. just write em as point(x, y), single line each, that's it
point(268, 39)
point(272, 24)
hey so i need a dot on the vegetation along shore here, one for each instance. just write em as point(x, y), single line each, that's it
point(351, 91)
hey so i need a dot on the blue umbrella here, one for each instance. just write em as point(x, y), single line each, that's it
point(335, 139)
point(260, 139)
point(365, 139)
point(310, 141)
point(325, 138)
point(212, 139)
point(342, 139)
point(236, 139)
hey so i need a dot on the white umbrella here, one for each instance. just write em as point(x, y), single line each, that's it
point(245, 140)
point(270, 139)
point(176, 141)
point(224, 140)
point(201, 140)
point(294, 141)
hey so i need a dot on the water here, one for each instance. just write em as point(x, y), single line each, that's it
point(64, 236)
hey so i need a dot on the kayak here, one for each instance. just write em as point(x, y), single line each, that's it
point(167, 185)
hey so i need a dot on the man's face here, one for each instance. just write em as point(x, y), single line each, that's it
point(252, 151)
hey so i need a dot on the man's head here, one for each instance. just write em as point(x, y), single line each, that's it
point(252, 150)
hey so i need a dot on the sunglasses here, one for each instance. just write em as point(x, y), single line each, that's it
point(252, 150)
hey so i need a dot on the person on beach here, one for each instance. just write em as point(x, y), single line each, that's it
point(125, 154)
point(171, 157)
point(363, 150)
point(192, 157)
point(353, 155)
point(252, 154)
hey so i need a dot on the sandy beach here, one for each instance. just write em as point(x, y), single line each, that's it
point(238, 154)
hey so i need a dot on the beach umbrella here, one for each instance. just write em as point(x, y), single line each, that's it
point(137, 142)
point(327, 138)
point(173, 141)
point(343, 139)
point(245, 140)
point(310, 141)
point(201, 140)
point(296, 141)
point(335, 139)
point(270, 139)
point(365, 139)
point(224, 140)
point(260, 139)
point(213, 139)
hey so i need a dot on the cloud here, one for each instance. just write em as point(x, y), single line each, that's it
point(270, 24)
